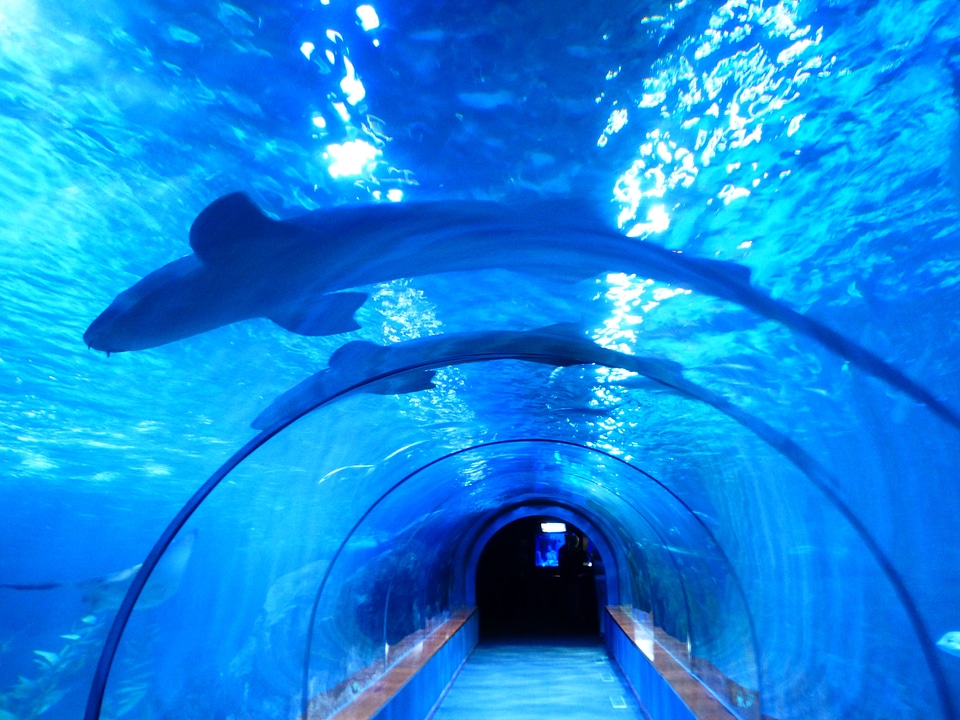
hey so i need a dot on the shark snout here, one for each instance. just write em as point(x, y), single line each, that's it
point(98, 336)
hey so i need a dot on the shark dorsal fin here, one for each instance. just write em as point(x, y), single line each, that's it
point(227, 227)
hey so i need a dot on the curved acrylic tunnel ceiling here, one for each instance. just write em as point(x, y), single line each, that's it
point(739, 539)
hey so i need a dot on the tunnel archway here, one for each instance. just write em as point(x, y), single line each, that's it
point(468, 558)
point(524, 589)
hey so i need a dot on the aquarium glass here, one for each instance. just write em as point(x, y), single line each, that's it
point(684, 275)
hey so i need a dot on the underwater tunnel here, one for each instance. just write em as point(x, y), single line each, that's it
point(369, 292)
point(372, 543)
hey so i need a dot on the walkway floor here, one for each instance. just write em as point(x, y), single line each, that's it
point(541, 679)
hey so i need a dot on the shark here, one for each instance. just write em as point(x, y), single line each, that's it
point(565, 345)
point(303, 272)
point(362, 366)
point(409, 366)
point(106, 592)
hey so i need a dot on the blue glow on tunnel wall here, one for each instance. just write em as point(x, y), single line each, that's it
point(382, 278)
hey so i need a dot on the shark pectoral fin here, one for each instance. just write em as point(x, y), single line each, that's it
point(323, 315)
point(356, 356)
point(230, 228)
point(409, 382)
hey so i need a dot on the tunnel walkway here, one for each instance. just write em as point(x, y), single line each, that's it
point(572, 679)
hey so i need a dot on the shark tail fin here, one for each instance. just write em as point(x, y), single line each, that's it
point(228, 227)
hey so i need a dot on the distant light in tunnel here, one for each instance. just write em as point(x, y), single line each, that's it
point(553, 527)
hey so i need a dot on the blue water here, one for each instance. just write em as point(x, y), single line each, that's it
point(802, 542)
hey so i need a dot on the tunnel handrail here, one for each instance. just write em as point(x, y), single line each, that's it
point(702, 701)
point(381, 691)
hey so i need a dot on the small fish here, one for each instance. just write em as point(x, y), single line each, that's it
point(560, 345)
point(51, 658)
point(51, 698)
point(127, 697)
point(70, 637)
point(950, 643)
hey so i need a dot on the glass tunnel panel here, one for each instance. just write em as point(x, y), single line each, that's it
point(311, 485)
point(358, 503)
point(261, 543)
point(476, 480)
